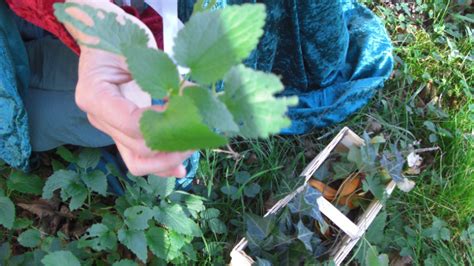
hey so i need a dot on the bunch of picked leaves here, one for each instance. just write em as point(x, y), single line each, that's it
point(212, 45)
point(290, 237)
point(348, 178)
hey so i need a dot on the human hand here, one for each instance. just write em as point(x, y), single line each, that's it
point(114, 103)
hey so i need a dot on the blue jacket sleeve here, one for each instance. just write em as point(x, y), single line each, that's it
point(15, 148)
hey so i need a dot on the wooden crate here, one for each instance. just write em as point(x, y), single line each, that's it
point(353, 231)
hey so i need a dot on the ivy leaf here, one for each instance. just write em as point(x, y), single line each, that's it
point(112, 35)
point(259, 227)
point(135, 241)
point(96, 181)
point(137, 217)
point(178, 128)
point(249, 96)
point(212, 42)
point(89, 158)
point(310, 196)
point(395, 166)
point(173, 216)
point(99, 237)
point(252, 190)
point(25, 183)
point(60, 258)
point(7, 212)
point(305, 235)
point(30, 238)
point(125, 263)
point(161, 186)
point(153, 70)
point(59, 179)
point(214, 113)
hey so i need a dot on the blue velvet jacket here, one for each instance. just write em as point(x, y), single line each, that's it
point(332, 54)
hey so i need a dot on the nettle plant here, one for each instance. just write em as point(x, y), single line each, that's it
point(212, 45)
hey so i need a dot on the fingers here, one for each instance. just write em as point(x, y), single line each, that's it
point(162, 164)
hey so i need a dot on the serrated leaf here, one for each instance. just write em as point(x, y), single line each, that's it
point(125, 263)
point(178, 128)
point(252, 190)
point(113, 36)
point(78, 194)
point(210, 214)
point(96, 181)
point(153, 70)
point(310, 197)
point(305, 235)
point(135, 241)
point(25, 183)
point(137, 217)
point(99, 237)
point(214, 113)
point(217, 226)
point(212, 42)
point(58, 180)
point(249, 96)
point(173, 217)
point(88, 158)
point(66, 155)
point(158, 241)
point(161, 186)
point(60, 258)
point(30, 238)
point(7, 212)
point(22, 223)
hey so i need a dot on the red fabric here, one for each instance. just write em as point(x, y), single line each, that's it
point(41, 14)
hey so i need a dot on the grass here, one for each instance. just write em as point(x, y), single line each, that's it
point(428, 99)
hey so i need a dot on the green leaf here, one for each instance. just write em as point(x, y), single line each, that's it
point(125, 263)
point(161, 186)
point(214, 113)
point(22, 223)
point(217, 226)
point(242, 177)
point(305, 235)
point(99, 237)
point(137, 217)
point(60, 258)
point(259, 227)
point(375, 233)
point(30, 238)
point(438, 230)
point(374, 259)
point(96, 181)
point(7, 212)
point(230, 191)
point(25, 183)
point(173, 217)
point(158, 241)
point(135, 241)
point(210, 213)
point(178, 128)
point(249, 96)
point(113, 36)
point(66, 154)
point(252, 190)
point(374, 185)
point(58, 180)
point(212, 42)
point(78, 194)
point(89, 158)
point(153, 71)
